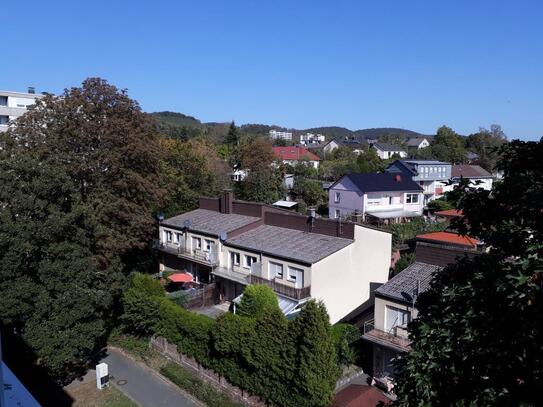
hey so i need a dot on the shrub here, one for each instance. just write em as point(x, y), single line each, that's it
point(255, 300)
point(344, 335)
point(439, 205)
point(140, 305)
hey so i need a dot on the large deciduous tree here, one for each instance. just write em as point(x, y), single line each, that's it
point(78, 182)
point(486, 144)
point(478, 338)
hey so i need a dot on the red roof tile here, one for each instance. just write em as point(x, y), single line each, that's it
point(450, 213)
point(449, 237)
point(294, 153)
point(358, 395)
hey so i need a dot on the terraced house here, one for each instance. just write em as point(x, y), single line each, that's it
point(235, 243)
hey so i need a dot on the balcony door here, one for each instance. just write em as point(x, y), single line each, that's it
point(396, 317)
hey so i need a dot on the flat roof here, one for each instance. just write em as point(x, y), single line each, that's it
point(285, 204)
point(296, 245)
point(450, 238)
point(209, 222)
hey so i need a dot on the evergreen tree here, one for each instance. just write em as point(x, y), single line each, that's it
point(316, 369)
point(478, 336)
point(232, 138)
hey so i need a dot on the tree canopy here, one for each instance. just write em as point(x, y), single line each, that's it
point(79, 180)
point(477, 338)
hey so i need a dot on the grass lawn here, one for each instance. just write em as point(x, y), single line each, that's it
point(87, 395)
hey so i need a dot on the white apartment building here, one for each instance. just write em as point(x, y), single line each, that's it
point(14, 104)
point(280, 135)
point(235, 243)
point(312, 139)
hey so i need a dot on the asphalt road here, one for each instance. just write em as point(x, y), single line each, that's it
point(143, 385)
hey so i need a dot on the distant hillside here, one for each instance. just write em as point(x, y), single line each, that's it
point(179, 125)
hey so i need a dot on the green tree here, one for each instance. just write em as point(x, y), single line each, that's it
point(344, 335)
point(316, 369)
point(447, 146)
point(232, 138)
point(79, 183)
point(368, 161)
point(256, 300)
point(477, 339)
point(140, 305)
point(391, 138)
point(486, 144)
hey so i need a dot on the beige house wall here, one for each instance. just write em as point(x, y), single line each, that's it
point(380, 311)
point(342, 280)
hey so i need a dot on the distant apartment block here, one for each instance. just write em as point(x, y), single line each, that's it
point(308, 139)
point(280, 135)
point(431, 175)
point(235, 243)
point(14, 105)
point(384, 198)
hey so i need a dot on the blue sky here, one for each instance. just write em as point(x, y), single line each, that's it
point(358, 64)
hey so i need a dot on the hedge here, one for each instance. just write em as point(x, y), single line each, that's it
point(285, 363)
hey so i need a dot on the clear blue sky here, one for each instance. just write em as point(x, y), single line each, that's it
point(359, 64)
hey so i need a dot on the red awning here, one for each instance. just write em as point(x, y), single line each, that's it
point(180, 277)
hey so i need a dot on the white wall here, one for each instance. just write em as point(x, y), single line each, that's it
point(342, 280)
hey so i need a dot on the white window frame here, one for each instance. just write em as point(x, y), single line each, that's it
point(208, 244)
point(273, 271)
point(409, 198)
point(337, 214)
point(196, 243)
point(178, 237)
point(246, 263)
point(337, 197)
point(405, 317)
point(235, 258)
point(169, 236)
point(295, 270)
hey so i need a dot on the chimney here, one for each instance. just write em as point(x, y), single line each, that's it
point(226, 200)
point(31, 89)
point(398, 178)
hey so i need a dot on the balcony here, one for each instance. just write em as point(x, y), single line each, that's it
point(379, 206)
point(282, 289)
point(395, 338)
point(207, 258)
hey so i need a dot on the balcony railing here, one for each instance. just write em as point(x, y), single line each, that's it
point(286, 290)
point(396, 337)
point(210, 258)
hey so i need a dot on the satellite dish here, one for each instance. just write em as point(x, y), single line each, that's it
point(187, 223)
point(223, 235)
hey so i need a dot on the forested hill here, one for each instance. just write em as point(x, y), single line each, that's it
point(179, 125)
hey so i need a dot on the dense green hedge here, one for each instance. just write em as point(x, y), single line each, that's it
point(285, 363)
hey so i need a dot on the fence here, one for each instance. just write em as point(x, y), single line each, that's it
point(207, 375)
point(201, 297)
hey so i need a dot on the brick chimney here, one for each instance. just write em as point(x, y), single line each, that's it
point(398, 178)
point(227, 198)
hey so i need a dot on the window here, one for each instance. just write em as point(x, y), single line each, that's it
point(196, 243)
point(337, 214)
point(3, 100)
point(396, 317)
point(248, 261)
point(178, 237)
point(411, 198)
point(337, 197)
point(168, 236)
point(4, 119)
point(208, 245)
point(296, 275)
point(276, 270)
point(234, 258)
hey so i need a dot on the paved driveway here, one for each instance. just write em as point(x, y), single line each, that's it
point(143, 385)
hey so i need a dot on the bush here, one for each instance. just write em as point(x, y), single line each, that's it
point(255, 300)
point(405, 260)
point(439, 205)
point(199, 389)
point(140, 305)
point(344, 335)
point(403, 232)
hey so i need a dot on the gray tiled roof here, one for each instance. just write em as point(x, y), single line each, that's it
point(388, 147)
point(210, 222)
point(402, 285)
point(292, 244)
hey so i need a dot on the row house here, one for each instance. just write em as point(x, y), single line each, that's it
point(382, 197)
point(431, 175)
point(395, 301)
point(235, 243)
